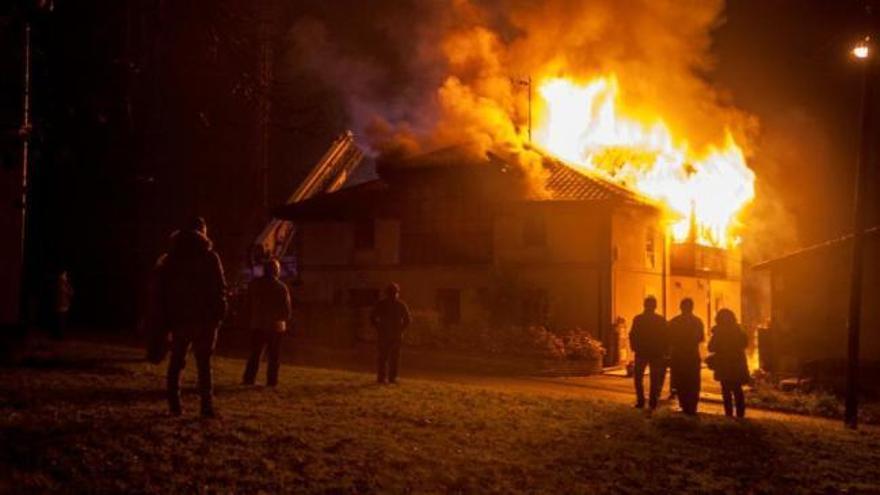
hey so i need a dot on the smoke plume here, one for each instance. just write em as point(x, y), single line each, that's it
point(422, 74)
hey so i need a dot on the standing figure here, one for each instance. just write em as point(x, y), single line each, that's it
point(648, 340)
point(269, 304)
point(63, 298)
point(685, 337)
point(390, 316)
point(728, 345)
point(192, 299)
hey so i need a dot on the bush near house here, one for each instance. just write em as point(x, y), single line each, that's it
point(536, 342)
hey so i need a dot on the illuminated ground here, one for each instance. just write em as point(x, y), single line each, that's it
point(93, 419)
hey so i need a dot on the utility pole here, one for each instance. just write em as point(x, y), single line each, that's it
point(265, 14)
point(527, 82)
point(24, 135)
point(851, 414)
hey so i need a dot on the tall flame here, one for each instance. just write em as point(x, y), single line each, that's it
point(704, 192)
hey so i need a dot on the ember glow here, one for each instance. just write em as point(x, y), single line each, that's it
point(582, 124)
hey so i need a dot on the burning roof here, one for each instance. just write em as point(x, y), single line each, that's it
point(615, 89)
point(561, 182)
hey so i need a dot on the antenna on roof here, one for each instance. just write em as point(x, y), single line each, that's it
point(527, 82)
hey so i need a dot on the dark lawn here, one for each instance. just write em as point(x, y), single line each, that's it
point(92, 419)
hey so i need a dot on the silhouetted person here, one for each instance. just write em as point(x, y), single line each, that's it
point(648, 340)
point(390, 316)
point(63, 298)
point(269, 304)
point(192, 298)
point(728, 345)
point(685, 335)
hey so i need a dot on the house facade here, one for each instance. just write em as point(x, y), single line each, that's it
point(472, 244)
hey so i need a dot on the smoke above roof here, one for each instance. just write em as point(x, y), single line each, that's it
point(420, 75)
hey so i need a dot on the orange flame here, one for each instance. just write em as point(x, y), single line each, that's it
point(704, 192)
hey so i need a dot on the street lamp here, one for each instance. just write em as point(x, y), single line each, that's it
point(862, 52)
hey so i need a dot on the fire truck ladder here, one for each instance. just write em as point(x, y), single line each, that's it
point(328, 175)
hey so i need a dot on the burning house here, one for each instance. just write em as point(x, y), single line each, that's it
point(473, 243)
point(605, 167)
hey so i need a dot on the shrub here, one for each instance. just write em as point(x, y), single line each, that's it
point(539, 342)
point(580, 345)
point(576, 344)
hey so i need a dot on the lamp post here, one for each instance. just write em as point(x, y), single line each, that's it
point(863, 53)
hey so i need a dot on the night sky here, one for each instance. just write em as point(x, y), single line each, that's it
point(145, 113)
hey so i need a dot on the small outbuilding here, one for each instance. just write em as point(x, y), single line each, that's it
point(809, 301)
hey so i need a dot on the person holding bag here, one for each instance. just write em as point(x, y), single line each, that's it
point(269, 304)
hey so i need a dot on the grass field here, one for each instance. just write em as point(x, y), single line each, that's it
point(92, 419)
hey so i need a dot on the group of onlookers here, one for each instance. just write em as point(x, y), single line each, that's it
point(189, 294)
point(188, 297)
point(659, 344)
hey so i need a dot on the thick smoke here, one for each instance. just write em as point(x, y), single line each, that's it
point(424, 74)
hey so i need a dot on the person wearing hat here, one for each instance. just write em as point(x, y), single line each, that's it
point(390, 316)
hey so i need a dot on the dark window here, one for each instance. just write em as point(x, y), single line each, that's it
point(364, 234)
point(449, 306)
point(535, 231)
point(361, 298)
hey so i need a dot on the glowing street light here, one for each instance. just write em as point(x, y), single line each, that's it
point(863, 49)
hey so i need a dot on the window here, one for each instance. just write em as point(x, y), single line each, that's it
point(534, 231)
point(449, 306)
point(650, 254)
point(364, 234)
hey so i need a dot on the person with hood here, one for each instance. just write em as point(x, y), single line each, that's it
point(648, 340)
point(728, 361)
point(685, 337)
point(192, 300)
point(269, 304)
point(390, 317)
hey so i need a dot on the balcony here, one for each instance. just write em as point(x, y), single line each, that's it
point(695, 260)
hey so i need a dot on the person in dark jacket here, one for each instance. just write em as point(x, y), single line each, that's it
point(685, 337)
point(390, 316)
point(269, 305)
point(648, 340)
point(728, 361)
point(192, 299)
